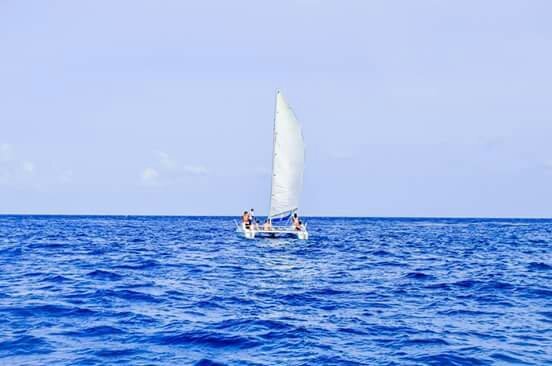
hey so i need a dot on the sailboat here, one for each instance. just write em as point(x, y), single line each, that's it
point(288, 157)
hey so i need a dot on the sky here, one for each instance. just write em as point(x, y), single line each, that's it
point(408, 108)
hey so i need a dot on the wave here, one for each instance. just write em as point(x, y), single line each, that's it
point(208, 362)
point(419, 276)
point(56, 278)
point(328, 291)
point(380, 253)
point(539, 266)
point(118, 352)
point(473, 285)
point(147, 264)
point(97, 331)
point(354, 331)
point(129, 295)
point(538, 292)
point(11, 252)
point(467, 312)
point(426, 342)
point(466, 283)
point(47, 245)
point(248, 325)
point(509, 359)
point(104, 275)
point(133, 318)
point(24, 345)
point(48, 310)
point(209, 339)
point(450, 359)
point(391, 264)
point(333, 360)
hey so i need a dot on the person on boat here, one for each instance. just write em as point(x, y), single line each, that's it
point(245, 220)
point(252, 216)
point(296, 222)
point(252, 220)
point(267, 226)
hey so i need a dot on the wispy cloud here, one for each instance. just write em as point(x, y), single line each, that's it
point(492, 144)
point(150, 176)
point(166, 161)
point(65, 177)
point(194, 170)
point(18, 170)
point(13, 169)
point(28, 167)
point(167, 170)
point(6, 152)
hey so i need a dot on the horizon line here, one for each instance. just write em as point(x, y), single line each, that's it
point(307, 216)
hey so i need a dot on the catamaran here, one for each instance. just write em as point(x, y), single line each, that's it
point(288, 157)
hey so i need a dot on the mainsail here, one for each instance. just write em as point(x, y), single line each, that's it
point(288, 160)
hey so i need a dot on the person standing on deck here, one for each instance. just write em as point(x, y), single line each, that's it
point(252, 220)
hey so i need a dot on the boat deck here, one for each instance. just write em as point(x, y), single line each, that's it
point(274, 231)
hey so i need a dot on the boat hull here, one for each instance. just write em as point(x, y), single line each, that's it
point(277, 232)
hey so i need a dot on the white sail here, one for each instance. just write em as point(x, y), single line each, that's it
point(288, 161)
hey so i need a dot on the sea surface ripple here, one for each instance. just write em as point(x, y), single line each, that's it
point(94, 290)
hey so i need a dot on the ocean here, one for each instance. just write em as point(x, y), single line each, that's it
point(96, 290)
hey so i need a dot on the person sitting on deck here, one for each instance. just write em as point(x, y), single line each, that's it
point(296, 222)
point(267, 226)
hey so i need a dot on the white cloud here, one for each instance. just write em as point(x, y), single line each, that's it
point(5, 176)
point(167, 164)
point(194, 170)
point(6, 152)
point(150, 176)
point(13, 169)
point(66, 176)
point(166, 161)
point(168, 171)
point(28, 167)
point(18, 171)
point(492, 144)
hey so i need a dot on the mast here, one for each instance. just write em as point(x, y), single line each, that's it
point(273, 151)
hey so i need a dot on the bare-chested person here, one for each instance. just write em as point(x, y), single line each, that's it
point(296, 222)
point(245, 219)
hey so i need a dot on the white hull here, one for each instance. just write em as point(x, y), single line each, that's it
point(275, 232)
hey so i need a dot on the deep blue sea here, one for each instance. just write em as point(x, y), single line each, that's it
point(95, 290)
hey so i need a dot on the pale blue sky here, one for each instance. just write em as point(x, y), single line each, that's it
point(409, 108)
